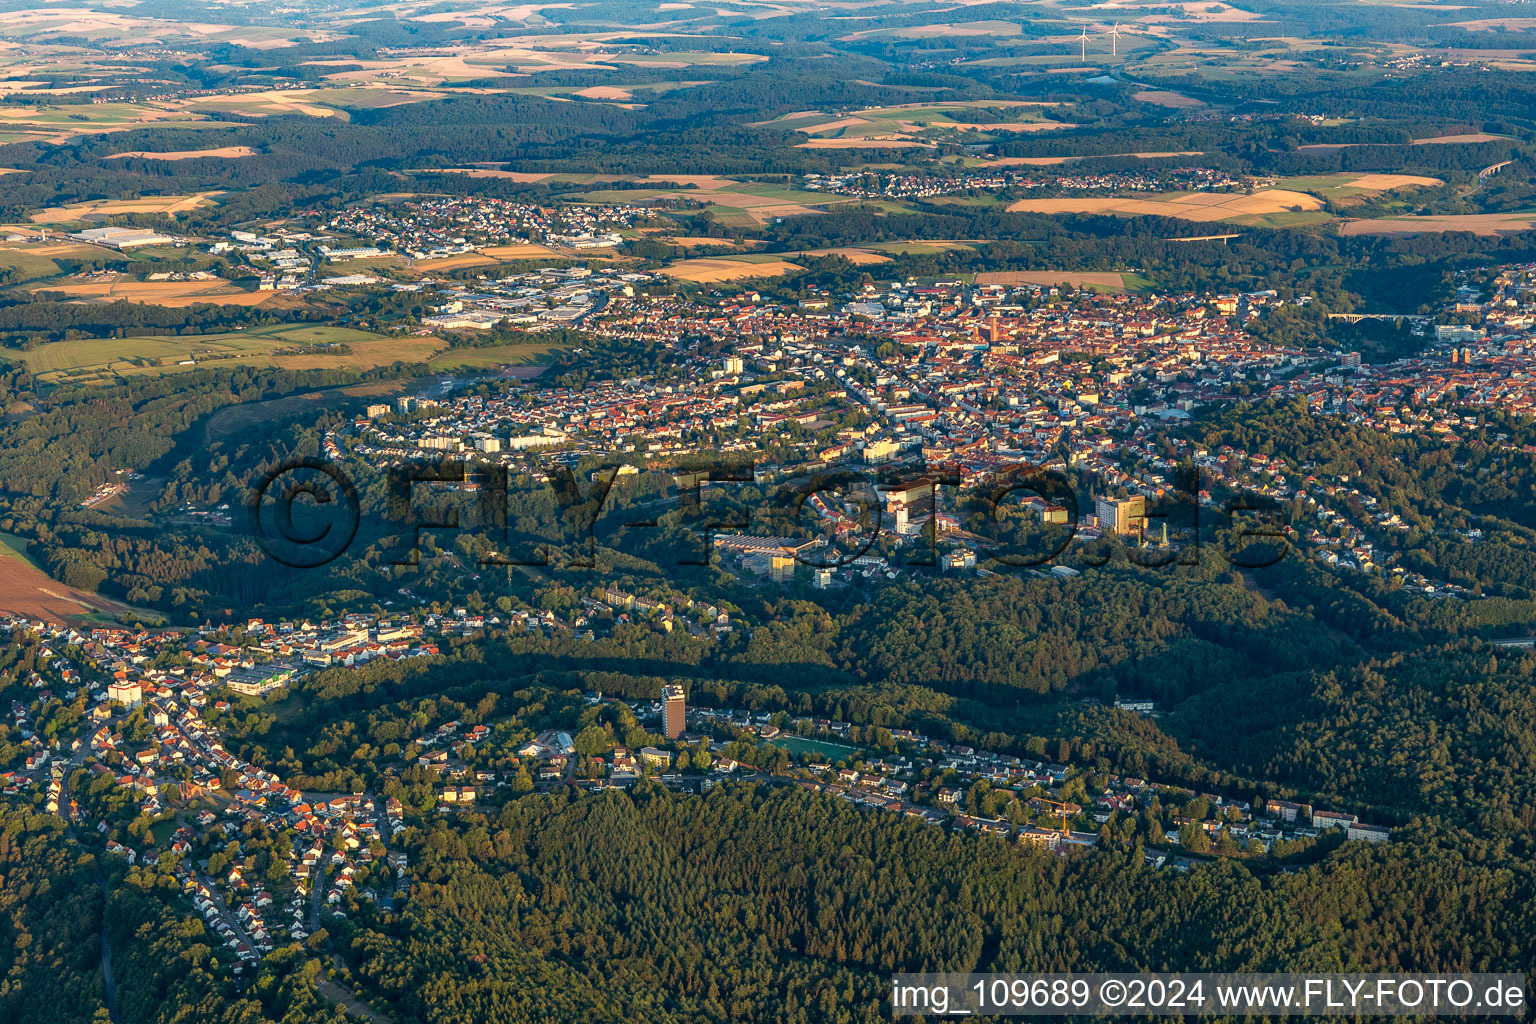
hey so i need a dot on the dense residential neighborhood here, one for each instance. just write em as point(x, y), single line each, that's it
point(151, 700)
point(966, 381)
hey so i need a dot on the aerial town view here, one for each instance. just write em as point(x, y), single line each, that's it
point(783, 511)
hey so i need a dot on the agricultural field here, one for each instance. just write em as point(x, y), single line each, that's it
point(36, 262)
point(114, 287)
point(43, 25)
point(220, 153)
point(1471, 138)
point(922, 246)
point(1052, 161)
point(367, 351)
point(1348, 187)
point(729, 268)
point(858, 257)
point(497, 172)
point(751, 202)
point(954, 30)
point(60, 123)
point(882, 252)
point(529, 54)
point(866, 143)
point(522, 356)
point(703, 242)
point(1487, 224)
point(1236, 207)
point(1164, 98)
point(167, 205)
point(332, 102)
point(26, 590)
point(1185, 10)
point(915, 124)
point(364, 353)
point(701, 181)
point(97, 360)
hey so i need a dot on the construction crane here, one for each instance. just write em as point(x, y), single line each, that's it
point(1061, 807)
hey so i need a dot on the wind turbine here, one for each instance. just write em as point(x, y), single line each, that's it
point(1085, 42)
point(1114, 36)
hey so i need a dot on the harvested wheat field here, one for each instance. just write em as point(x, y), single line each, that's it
point(1490, 224)
point(107, 207)
point(701, 242)
point(1387, 182)
point(1441, 140)
point(223, 152)
point(762, 208)
point(527, 250)
point(1017, 126)
point(1187, 11)
point(27, 590)
point(461, 262)
point(1051, 277)
point(864, 144)
point(712, 271)
point(1196, 206)
point(605, 92)
point(1482, 24)
point(160, 293)
point(261, 104)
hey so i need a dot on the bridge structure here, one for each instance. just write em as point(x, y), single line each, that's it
point(1354, 318)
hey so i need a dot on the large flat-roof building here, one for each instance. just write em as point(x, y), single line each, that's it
point(121, 238)
point(1124, 517)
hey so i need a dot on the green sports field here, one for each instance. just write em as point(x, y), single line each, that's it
point(823, 748)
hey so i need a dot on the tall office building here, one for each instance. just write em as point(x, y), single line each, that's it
point(1122, 517)
point(674, 709)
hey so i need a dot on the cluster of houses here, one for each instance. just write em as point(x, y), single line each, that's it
point(441, 227)
point(994, 178)
point(184, 753)
point(974, 378)
point(336, 836)
point(930, 779)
